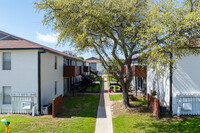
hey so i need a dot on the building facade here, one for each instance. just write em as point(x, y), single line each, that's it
point(32, 75)
point(179, 91)
point(95, 64)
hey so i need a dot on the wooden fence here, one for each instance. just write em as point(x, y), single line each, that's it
point(154, 105)
point(57, 105)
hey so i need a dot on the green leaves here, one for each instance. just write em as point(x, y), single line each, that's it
point(127, 28)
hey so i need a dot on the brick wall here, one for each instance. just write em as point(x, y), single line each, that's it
point(154, 105)
point(57, 105)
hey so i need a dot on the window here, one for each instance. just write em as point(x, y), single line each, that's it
point(55, 62)
point(68, 62)
point(6, 95)
point(55, 87)
point(6, 61)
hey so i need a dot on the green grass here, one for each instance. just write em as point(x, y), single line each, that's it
point(96, 87)
point(115, 97)
point(140, 101)
point(146, 124)
point(98, 79)
point(111, 79)
point(79, 117)
point(140, 121)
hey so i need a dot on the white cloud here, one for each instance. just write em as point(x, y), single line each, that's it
point(48, 38)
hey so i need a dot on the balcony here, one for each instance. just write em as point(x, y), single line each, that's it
point(87, 68)
point(138, 70)
point(71, 71)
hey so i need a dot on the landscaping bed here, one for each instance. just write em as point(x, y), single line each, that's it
point(79, 116)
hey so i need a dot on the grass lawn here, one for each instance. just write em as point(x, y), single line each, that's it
point(115, 97)
point(79, 116)
point(96, 87)
point(98, 79)
point(147, 124)
point(140, 120)
point(111, 79)
point(140, 101)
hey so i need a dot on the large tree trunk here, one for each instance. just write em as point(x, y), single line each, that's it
point(125, 97)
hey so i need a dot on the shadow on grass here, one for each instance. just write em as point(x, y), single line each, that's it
point(140, 119)
point(187, 125)
point(80, 106)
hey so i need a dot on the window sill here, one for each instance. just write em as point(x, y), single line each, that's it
point(6, 104)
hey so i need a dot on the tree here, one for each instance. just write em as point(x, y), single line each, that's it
point(82, 58)
point(115, 28)
point(114, 61)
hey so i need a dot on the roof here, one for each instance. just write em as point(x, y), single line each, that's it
point(93, 61)
point(92, 58)
point(16, 44)
point(11, 42)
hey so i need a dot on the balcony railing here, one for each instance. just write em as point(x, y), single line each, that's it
point(81, 69)
point(71, 71)
point(87, 68)
point(138, 70)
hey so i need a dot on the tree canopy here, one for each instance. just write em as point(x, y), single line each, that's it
point(126, 28)
point(82, 58)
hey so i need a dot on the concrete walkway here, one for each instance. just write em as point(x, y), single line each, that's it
point(104, 117)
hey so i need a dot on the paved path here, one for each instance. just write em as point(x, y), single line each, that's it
point(104, 117)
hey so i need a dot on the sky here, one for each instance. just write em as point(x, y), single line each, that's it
point(20, 18)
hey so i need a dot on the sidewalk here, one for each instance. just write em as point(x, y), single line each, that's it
point(104, 117)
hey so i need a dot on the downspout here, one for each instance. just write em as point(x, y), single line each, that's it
point(171, 80)
point(39, 80)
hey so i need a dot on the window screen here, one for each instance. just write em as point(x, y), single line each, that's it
point(55, 62)
point(55, 87)
point(6, 95)
point(6, 61)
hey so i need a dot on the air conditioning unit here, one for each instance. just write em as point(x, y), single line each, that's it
point(26, 105)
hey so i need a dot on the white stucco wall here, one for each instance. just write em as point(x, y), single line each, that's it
point(185, 78)
point(49, 75)
point(100, 68)
point(79, 63)
point(96, 66)
point(22, 77)
point(160, 84)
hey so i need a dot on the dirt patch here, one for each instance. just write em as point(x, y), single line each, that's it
point(118, 109)
point(138, 109)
